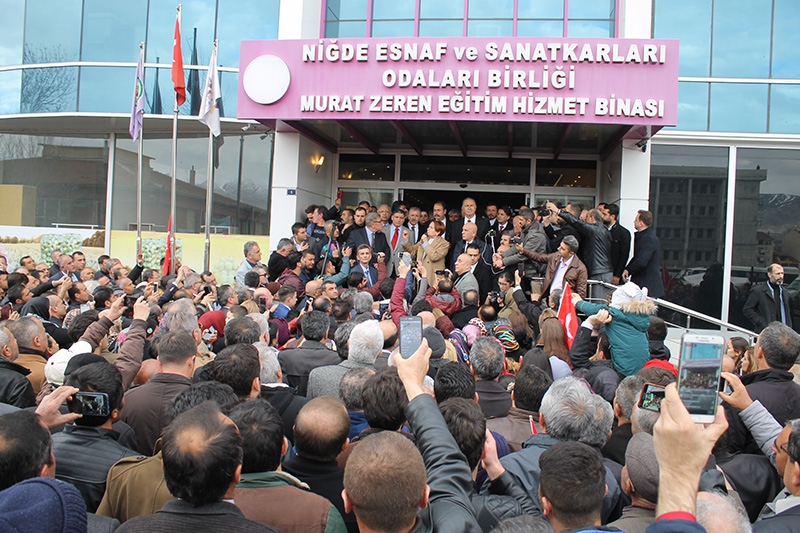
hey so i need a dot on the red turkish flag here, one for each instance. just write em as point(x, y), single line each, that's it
point(568, 316)
point(167, 269)
point(178, 80)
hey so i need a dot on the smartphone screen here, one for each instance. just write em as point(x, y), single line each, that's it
point(406, 258)
point(699, 374)
point(90, 404)
point(651, 397)
point(410, 335)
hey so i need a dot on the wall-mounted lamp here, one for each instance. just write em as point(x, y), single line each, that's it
point(317, 162)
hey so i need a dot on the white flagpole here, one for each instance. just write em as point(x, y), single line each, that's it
point(211, 79)
point(139, 174)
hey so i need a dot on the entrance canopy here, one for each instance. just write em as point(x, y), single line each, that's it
point(505, 95)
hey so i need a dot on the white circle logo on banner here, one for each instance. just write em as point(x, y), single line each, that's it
point(266, 79)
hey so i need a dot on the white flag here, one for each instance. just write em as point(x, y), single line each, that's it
point(209, 110)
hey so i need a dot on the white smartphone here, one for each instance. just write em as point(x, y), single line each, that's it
point(410, 335)
point(699, 373)
point(405, 257)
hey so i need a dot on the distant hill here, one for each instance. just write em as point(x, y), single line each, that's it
point(778, 212)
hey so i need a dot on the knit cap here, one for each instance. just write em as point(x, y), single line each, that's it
point(630, 292)
point(43, 505)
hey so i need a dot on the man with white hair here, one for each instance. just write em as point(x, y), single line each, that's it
point(281, 396)
point(365, 344)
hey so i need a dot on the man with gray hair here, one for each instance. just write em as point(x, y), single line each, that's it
point(486, 358)
point(277, 260)
point(281, 396)
point(569, 412)
point(624, 400)
point(372, 235)
point(252, 257)
point(563, 268)
point(364, 346)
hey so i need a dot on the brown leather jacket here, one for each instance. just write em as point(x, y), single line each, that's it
point(576, 275)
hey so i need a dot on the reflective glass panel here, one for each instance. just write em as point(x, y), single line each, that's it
point(488, 9)
point(441, 28)
point(161, 28)
point(112, 31)
point(393, 9)
point(346, 29)
point(346, 10)
point(741, 38)
point(106, 89)
point(688, 197)
point(441, 9)
point(361, 167)
point(12, 26)
point(540, 9)
point(692, 106)
point(738, 107)
point(765, 227)
point(689, 21)
point(591, 9)
point(551, 173)
point(52, 31)
point(67, 176)
point(465, 170)
point(786, 39)
point(49, 90)
point(242, 20)
point(601, 29)
point(393, 29)
point(540, 28)
point(10, 91)
point(784, 109)
point(490, 28)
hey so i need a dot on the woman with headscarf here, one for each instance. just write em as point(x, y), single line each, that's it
point(40, 307)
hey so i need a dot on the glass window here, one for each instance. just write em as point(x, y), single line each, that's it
point(67, 176)
point(441, 28)
point(692, 106)
point(601, 29)
point(50, 90)
point(689, 21)
point(540, 9)
point(10, 92)
point(346, 29)
point(106, 89)
point(738, 107)
point(465, 170)
point(52, 31)
point(12, 25)
point(694, 177)
point(393, 28)
point(764, 227)
point(438, 9)
point(786, 39)
point(241, 191)
point(741, 38)
point(540, 28)
point(112, 31)
point(242, 20)
point(161, 30)
point(563, 199)
point(360, 167)
point(372, 195)
point(393, 9)
point(346, 10)
point(481, 9)
point(784, 109)
point(551, 173)
point(490, 28)
point(591, 9)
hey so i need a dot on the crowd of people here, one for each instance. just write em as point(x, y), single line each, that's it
point(279, 402)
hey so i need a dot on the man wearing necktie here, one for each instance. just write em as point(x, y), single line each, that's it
point(769, 302)
point(399, 240)
point(415, 226)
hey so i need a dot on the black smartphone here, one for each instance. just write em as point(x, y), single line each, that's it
point(651, 397)
point(90, 404)
point(206, 290)
point(410, 335)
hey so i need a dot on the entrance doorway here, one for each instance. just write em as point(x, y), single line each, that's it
point(425, 198)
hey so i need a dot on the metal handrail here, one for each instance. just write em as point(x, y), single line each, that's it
point(685, 310)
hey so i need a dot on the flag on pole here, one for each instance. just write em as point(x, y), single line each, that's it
point(178, 80)
point(168, 253)
point(193, 85)
point(209, 110)
point(568, 316)
point(137, 106)
point(157, 108)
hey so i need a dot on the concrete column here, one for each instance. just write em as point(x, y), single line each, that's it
point(636, 19)
point(634, 183)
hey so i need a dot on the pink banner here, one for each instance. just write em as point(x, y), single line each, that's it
point(604, 81)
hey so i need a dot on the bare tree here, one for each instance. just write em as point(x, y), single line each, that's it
point(46, 90)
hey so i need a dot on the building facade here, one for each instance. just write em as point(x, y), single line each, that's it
point(722, 183)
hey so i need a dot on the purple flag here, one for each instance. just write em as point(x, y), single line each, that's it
point(137, 107)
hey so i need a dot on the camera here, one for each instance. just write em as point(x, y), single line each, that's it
point(544, 211)
point(441, 273)
point(336, 223)
point(515, 240)
point(494, 297)
point(490, 233)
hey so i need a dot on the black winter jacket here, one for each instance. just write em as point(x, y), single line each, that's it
point(15, 389)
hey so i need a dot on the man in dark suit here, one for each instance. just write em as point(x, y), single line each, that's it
point(468, 211)
point(416, 227)
point(469, 235)
point(769, 302)
point(620, 240)
point(644, 268)
point(481, 271)
point(372, 235)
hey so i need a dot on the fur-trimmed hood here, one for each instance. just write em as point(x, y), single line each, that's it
point(643, 307)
